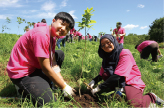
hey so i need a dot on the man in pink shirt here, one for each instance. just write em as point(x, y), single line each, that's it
point(34, 63)
point(119, 32)
point(90, 37)
point(119, 70)
point(71, 33)
point(149, 47)
point(78, 35)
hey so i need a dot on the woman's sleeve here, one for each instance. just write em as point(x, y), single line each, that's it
point(111, 81)
point(124, 66)
point(97, 79)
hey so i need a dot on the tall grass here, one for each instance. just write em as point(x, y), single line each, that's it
point(152, 73)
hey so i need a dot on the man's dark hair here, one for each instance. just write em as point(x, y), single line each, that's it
point(136, 46)
point(66, 17)
point(119, 23)
point(43, 20)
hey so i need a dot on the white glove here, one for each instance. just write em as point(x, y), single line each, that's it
point(56, 69)
point(68, 91)
point(95, 90)
point(91, 84)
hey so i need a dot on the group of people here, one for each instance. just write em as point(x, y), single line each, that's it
point(35, 67)
point(146, 48)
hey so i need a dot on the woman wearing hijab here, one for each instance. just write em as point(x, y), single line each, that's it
point(119, 69)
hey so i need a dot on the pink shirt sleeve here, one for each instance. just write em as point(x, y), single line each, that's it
point(124, 66)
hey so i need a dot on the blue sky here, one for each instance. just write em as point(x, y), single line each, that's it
point(135, 15)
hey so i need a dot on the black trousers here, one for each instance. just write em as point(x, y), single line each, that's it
point(37, 86)
point(150, 49)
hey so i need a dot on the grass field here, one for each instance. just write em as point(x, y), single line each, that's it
point(152, 72)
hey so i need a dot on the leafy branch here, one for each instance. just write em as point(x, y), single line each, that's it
point(86, 21)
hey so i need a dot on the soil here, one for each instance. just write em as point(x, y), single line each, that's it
point(88, 100)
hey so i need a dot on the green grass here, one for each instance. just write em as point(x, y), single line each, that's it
point(152, 73)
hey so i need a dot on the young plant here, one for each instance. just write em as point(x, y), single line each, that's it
point(4, 26)
point(86, 21)
point(20, 20)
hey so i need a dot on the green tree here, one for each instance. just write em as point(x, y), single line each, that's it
point(20, 20)
point(86, 21)
point(156, 30)
point(103, 33)
point(4, 26)
point(28, 26)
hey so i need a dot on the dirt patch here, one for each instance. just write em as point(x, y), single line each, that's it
point(88, 100)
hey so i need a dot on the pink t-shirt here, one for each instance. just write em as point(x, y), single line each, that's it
point(60, 37)
point(119, 31)
point(71, 31)
point(83, 37)
point(90, 37)
point(78, 33)
point(144, 44)
point(127, 67)
point(23, 59)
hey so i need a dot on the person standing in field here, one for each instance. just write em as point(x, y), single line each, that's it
point(71, 33)
point(148, 47)
point(89, 36)
point(77, 35)
point(119, 70)
point(33, 67)
point(120, 33)
point(43, 20)
point(61, 39)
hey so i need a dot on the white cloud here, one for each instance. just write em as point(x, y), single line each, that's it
point(64, 3)
point(46, 15)
point(127, 10)
point(130, 26)
point(143, 27)
point(71, 13)
point(141, 6)
point(48, 6)
point(9, 3)
point(3, 17)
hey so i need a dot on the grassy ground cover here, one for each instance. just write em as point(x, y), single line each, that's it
point(152, 73)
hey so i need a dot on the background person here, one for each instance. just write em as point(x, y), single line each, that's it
point(61, 39)
point(119, 69)
point(119, 32)
point(71, 34)
point(149, 47)
point(43, 20)
point(32, 67)
point(90, 37)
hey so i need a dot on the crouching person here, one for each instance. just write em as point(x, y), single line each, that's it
point(34, 64)
point(119, 69)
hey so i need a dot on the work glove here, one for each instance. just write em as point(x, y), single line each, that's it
point(68, 91)
point(91, 84)
point(95, 90)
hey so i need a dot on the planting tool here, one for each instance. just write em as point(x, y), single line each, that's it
point(87, 85)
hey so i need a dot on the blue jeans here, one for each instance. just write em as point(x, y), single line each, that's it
point(61, 40)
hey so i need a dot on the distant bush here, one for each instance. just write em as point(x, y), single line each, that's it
point(7, 42)
point(134, 39)
point(161, 45)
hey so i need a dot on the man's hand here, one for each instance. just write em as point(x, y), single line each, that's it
point(91, 84)
point(68, 91)
point(95, 90)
